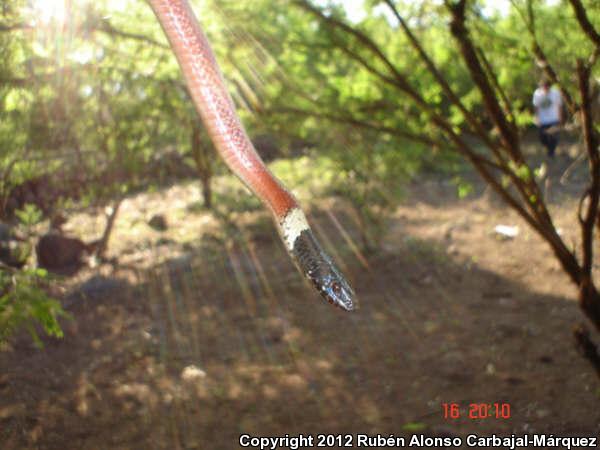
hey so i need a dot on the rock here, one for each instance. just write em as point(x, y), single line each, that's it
point(158, 222)
point(61, 254)
point(192, 373)
point(507, 231)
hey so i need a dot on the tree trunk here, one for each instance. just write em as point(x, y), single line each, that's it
point(206, 192)
point(589, 301)
point(203, 161)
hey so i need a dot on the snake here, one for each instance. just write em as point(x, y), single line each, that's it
point(208, 91)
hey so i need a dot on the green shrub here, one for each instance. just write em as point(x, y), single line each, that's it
point(372, 179)
point(24, 304)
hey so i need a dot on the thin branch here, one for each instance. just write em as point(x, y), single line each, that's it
point(360, 123)
point(509, 137)
point(361, 37)
point(106, 27)
point(14, 82)
point(102, 243)
point(363, 62)
point(584, 22)
point(441, 80)
point(458, 143)
point(399, 80)
point(4, 27)
point(594, 57)
point(586, 346)
point(528, 188)
point(479, 161)
point(491, 74)
point(591, 145)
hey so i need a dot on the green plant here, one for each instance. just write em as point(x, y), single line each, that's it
point(24, 303)
point(30, 215)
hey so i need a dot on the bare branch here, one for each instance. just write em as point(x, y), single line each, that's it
point(4, 27)
point(363, 62)
point(589, 298)
point(586, 347)
point(361, 123)
point(399, 80)
point(362, 38)
point(528, 188)
point(591, 146)
point(509, 137)
point(491, 74)
point(106, 27)
point(441, 80)
point(584, 22)
point(13, 82)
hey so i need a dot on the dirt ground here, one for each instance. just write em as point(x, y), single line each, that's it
point(205, 346)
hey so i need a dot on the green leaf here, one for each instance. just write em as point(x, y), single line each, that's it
point(30, 215)
point(464, 189)
point(414, 427)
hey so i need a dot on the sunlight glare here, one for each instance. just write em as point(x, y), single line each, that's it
point(49, 11)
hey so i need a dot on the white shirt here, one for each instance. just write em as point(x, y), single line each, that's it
point(548, 104)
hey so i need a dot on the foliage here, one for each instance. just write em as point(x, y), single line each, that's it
point(371, 174)
point(29, 215)
point(107, 96)
point(103, 98)
point(96, 103)
point(23, 303)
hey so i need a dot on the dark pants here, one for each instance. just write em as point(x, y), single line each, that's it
point(549, 139)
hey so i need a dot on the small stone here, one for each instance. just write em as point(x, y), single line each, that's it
point(192, 373)
point(506, 231)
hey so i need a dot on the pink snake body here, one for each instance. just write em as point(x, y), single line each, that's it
point(215, 106)
point(217, 111)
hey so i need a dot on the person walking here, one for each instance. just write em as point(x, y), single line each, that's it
point(548, 102)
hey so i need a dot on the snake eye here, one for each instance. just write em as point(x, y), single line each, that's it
point(336, 288)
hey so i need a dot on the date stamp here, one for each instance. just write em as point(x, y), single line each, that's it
point(476, 411)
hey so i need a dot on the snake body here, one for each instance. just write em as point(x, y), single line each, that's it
point(217, 111)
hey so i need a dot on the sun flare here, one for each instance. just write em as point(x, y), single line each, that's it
point(50, 11)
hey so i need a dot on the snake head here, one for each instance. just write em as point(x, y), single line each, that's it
point(334, 288)
point(318, 267)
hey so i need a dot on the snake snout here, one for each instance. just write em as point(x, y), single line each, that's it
point(338, 292)
point(318, 267)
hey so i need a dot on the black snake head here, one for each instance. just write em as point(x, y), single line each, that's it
point(320, 270)
point(334, 288)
